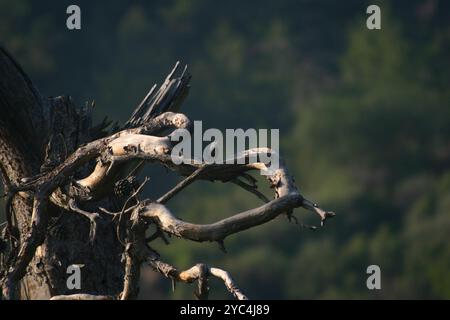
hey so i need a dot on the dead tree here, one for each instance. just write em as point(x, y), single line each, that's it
point(71, 193)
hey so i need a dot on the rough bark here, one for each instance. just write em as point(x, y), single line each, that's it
point(31, 128)
point(64, 180)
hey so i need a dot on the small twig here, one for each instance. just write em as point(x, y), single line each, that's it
point(135, 169)
point(115, 214)
point(134, 194)
point(250, 189)
point(154, 236)
point(324, 215)
point(157, 234)
point(301, 224)
point(250, 179)
point(92, 216)
point(180, 186)
point(221, 244)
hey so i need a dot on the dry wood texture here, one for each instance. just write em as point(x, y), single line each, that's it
point(66, 185)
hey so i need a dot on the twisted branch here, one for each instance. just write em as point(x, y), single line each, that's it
point(199, 272)
point(141, 139)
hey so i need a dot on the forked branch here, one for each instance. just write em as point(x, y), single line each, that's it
point(199, 272)
point(147, 135)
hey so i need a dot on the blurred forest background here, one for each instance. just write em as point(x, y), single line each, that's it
point(364, 119)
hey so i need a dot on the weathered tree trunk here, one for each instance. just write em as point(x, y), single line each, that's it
point(28, 123)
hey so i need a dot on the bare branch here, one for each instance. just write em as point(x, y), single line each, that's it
point(198, 272)
point(324, 215)
point(183, 184)
point(250, 189)
point(125, 145)
point(229, 283)
point(165, 220)
point(92, 216)
point(286, 199)
point(82, 296)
